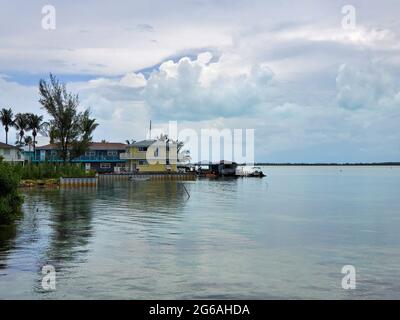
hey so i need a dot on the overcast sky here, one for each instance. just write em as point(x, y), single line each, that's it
point(313, 90)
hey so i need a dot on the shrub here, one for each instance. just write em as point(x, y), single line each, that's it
point(10, 199)
point(51, 171)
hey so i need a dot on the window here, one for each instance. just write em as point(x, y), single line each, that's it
point(7, 152)
point(105, 165)
point(90, 153)
point(143, 162)
point(142, 148)
point(112, 153)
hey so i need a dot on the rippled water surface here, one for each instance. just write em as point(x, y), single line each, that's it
point(284, 236)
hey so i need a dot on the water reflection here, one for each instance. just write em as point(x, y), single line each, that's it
point(57, 224)
point(70, 215)
point(8, 233)
point(141, 202)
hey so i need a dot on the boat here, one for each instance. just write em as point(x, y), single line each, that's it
point(257, 172)
point(245, 171)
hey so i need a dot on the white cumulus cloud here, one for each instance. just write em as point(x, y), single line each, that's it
point(200, 89)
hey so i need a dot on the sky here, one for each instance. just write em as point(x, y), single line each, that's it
point(314, 85)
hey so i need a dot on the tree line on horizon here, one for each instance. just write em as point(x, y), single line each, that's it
point(68, 128)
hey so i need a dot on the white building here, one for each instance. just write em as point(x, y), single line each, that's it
point(11, 153)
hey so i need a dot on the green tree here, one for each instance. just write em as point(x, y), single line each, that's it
point(67, 126)
point(183, 155)
point(6, 117)
point(87, 127)
point(21, 124)
point(28, 141)
point(10, 199)
point(37, 125)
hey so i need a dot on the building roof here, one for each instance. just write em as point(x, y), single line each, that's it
point(143, 143)
point(93, 146)
point(7, 146)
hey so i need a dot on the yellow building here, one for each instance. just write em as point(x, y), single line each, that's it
point(151, 156)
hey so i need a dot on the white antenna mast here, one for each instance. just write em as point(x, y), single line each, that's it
point(150, 129)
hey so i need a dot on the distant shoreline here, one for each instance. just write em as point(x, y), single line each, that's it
point(330, 164)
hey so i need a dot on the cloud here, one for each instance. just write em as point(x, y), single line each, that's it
point(200, 89)
point(370, 86)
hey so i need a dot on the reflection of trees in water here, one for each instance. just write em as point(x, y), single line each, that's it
point(70, 220)
point(58, 223)
point(8, 233)
point(23, 230)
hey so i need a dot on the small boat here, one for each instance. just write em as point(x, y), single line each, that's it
point(244, 171)
point(257, 172)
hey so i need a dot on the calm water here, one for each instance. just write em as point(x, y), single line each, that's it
point(284, 236)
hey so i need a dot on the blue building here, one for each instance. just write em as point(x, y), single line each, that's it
point(103, 157)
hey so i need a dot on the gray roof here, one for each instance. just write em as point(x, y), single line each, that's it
point(143, 143)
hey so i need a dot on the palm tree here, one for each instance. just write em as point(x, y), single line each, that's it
point(88, 125)
point(183, 155)
point(6, 117)
point(28, 142)
point(130, 141)
point(86, 128)
point(36, 124)
point(21, 124)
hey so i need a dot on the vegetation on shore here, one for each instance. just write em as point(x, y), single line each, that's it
point(10, 198)
point(45, 170)
point(12, 176)
point(70, 129)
